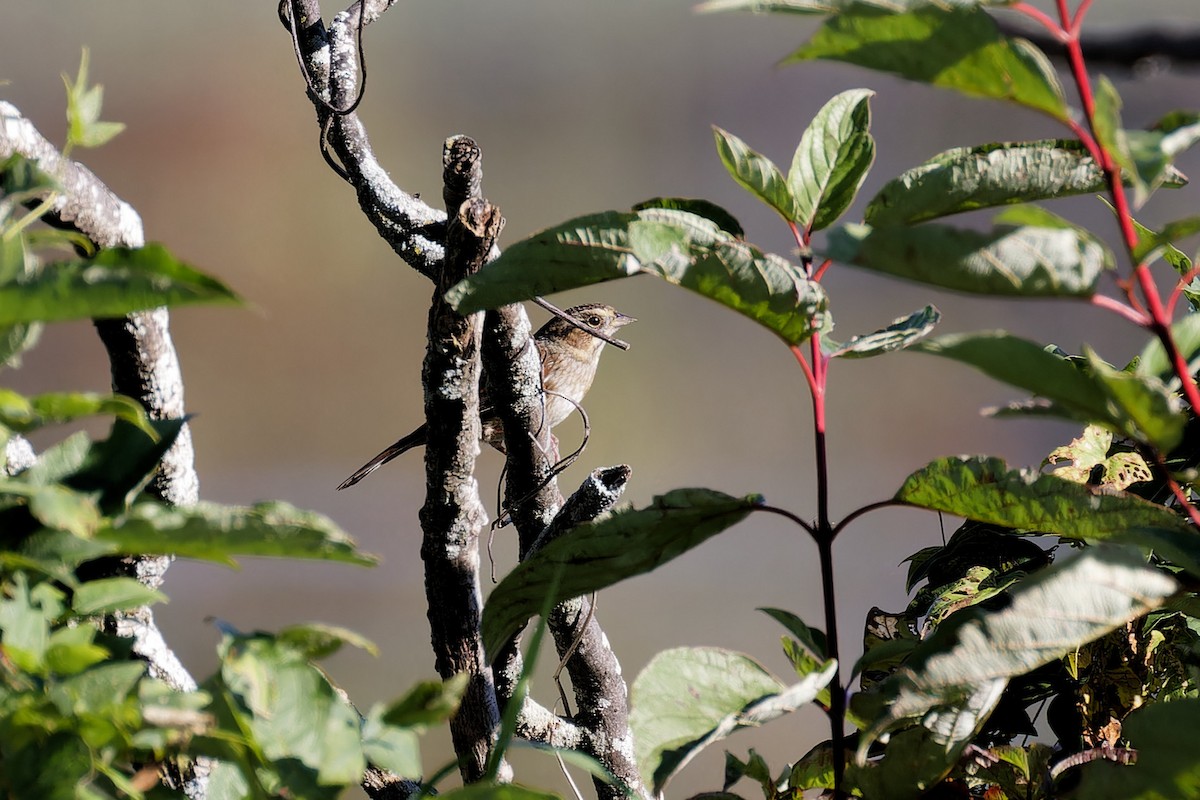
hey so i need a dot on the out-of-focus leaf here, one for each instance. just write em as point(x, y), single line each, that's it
point(114, 594)
point(114, 283)
point(218, 533)
point(1166, 766)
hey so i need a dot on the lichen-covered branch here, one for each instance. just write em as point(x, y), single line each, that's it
point(330, 61)
point(453, 516)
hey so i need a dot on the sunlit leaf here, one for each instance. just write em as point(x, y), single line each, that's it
point(688, 698)
point(114, 594)
point(677, 246)
point(84, 128)
point(832, 160)
point(951, 46)
point(1006, 261)
point(757, 174)
point(903, 332)
point(970, 178)
point(984, 489)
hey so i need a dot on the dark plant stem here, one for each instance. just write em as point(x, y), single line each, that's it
point(837, 695)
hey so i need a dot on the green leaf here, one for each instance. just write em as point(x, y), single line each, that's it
point(217, 533)
point(1006, 261)
point(56, 408)
point(1132, 404)
point(84, 128)
point(701, 208)
point(1151, 245)
point(677, 246)
point(757, 174)
point(811, 638)
point(390, 747)
point(1089, 451)
point(25, 617)
point(985, 176)
point(1153, 151)
point(828, 6)
point(903, 332)
point(1110, 133)
point(57, 507)
point(955, 47)
point(114, 283)
point(292, 712)
point(317, 640)
point(984, 489)
point(1153, 361)
point(832, 160)
point(599, 554)
point(98, 690)
point(970, 657)
point(1166, 767)
point(120, 466)
point(427, 703)
point(114, 594)
point(492, 791)
point(72, 650)
point(688, 698)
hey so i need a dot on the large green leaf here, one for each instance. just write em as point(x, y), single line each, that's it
point(113, 594)
point(832, 160)
point(975, 652)
point(599, 554)
point(1132, 404)
point(218, 533)
point(1153, 151)
point(952, 46)
point(757, 174)
point(114, 283)
point(830, 6)
point(687, 698)
point(1164, 735)
point(984, 489)
point(969, 178)
point(680, 247)
point(1014, 261)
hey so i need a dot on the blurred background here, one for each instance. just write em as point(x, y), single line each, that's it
point(578, 107)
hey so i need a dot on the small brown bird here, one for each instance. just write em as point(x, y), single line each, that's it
point(569, 360)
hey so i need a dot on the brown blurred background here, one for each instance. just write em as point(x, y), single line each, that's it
point(578, 107)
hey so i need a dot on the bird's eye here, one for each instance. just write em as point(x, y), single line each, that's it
point(594, 321)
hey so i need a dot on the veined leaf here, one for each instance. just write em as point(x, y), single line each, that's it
point(757, 174)
point(114, 283)
point(688, 698)
point(1153, 361)
point(701, 208)
point(1022, 261)
point(970, 178)
point(832, 159)
point(677, 246)
point(1133, 404)
point(1154, 151)
point(903, 331)
point(1151, 243)
point(218, 533)
point(1049, 615)
point(601, 553)
point(984, 489)
point(952, 46)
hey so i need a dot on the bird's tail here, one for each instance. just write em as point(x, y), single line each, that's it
point(414, 439)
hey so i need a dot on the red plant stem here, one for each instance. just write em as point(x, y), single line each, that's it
point(1039, 16)
point(1138, 318)
point(1178, 290)
point(1159, 322)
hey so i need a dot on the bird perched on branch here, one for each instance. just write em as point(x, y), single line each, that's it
point(569, 353)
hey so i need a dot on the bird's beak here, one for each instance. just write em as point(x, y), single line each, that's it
point(622, 320)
